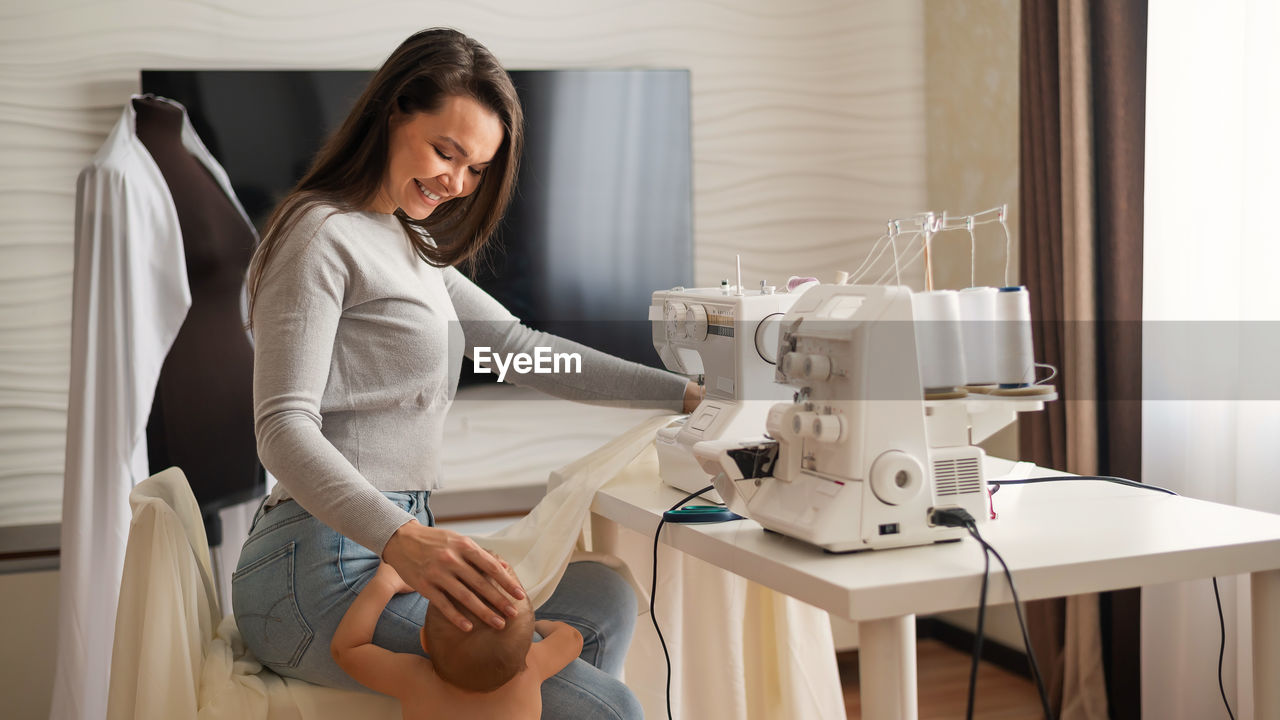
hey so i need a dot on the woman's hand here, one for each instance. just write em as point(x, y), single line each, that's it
point(447, 568)
point(693, 393)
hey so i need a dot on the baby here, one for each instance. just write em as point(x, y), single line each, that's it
point(485, 673)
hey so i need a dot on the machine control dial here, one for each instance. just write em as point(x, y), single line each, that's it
point(674, 314)
point(793, 364)
point(828, 428)
point(806, 366)
point(695, 322)
point(896, 477)
point(816, 367)
point(767, 332)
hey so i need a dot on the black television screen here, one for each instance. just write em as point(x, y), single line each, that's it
point(603, 212)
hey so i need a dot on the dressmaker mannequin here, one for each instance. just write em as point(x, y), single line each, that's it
point(202, 417)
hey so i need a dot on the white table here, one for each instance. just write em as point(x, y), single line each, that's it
point(1059, 539)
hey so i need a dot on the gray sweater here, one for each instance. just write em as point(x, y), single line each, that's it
point(358, 348)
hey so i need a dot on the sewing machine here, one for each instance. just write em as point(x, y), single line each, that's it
point(860, 459)
point(730, 337)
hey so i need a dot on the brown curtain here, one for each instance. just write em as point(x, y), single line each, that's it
point(1119, 58)
point(1082, 79)
point(1042, 436)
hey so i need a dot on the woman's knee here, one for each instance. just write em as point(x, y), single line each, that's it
point(601, 604)
point(609, 594)
point(581, 691)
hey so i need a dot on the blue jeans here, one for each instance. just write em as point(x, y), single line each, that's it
point(296, 578)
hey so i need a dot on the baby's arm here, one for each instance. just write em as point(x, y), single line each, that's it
point(374, 667)
point(560, 644)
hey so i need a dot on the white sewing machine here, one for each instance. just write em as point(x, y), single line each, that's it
point(860, 459)
point(730, 339)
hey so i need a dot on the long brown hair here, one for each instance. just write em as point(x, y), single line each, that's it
point(427, 68)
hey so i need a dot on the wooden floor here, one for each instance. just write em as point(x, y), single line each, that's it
point(943, 676)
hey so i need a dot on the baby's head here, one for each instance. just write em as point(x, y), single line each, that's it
point(483, 659)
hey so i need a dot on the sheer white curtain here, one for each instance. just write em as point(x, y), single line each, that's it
point(1211, 424)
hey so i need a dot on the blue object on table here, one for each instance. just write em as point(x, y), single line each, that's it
point(700, 514)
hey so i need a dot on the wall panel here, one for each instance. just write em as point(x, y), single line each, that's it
point(808, 132)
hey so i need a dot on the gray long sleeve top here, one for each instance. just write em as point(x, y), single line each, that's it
point(358, 345)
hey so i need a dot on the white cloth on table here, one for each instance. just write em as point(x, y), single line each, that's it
point(130, 297)
point(738, 649)
point(541, 545)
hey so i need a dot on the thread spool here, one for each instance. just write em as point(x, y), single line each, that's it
point(939, 346)
point(978, 332)
point(1015, 359)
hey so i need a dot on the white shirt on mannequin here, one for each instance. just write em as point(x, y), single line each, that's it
point(130, 298)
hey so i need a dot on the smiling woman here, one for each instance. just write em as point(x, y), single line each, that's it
point(360, 324)
point(438, 82)
point(437, 156)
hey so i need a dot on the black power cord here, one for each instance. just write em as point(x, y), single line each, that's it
point(1072, 478)
point(977, 639)
point(959, 517)
point(1217, 599)
point(653, 586)
point(1222, 649)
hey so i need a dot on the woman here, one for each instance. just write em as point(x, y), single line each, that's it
point(360, 322)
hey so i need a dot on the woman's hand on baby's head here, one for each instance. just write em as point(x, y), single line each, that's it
point(448, 568)
point(499, 558)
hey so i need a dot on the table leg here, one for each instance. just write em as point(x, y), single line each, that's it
point(604, 535)
point(1266, 643)
point(887, 668)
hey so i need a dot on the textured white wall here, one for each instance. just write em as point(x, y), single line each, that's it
point(808, 131)
point(971, 77)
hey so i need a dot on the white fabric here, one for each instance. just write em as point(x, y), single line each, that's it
point(738, 650)
point(168, 607)
point(168, 662)
point(129, 300)
point(502, 439)
point(540, 545)
point(1212, 172)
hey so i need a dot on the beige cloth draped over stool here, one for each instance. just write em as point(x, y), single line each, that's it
point(172, 659)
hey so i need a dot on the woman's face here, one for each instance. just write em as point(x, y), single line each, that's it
point(435, 157)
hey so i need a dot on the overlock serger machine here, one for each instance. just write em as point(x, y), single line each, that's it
point(861, 458)
point(729, 337)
